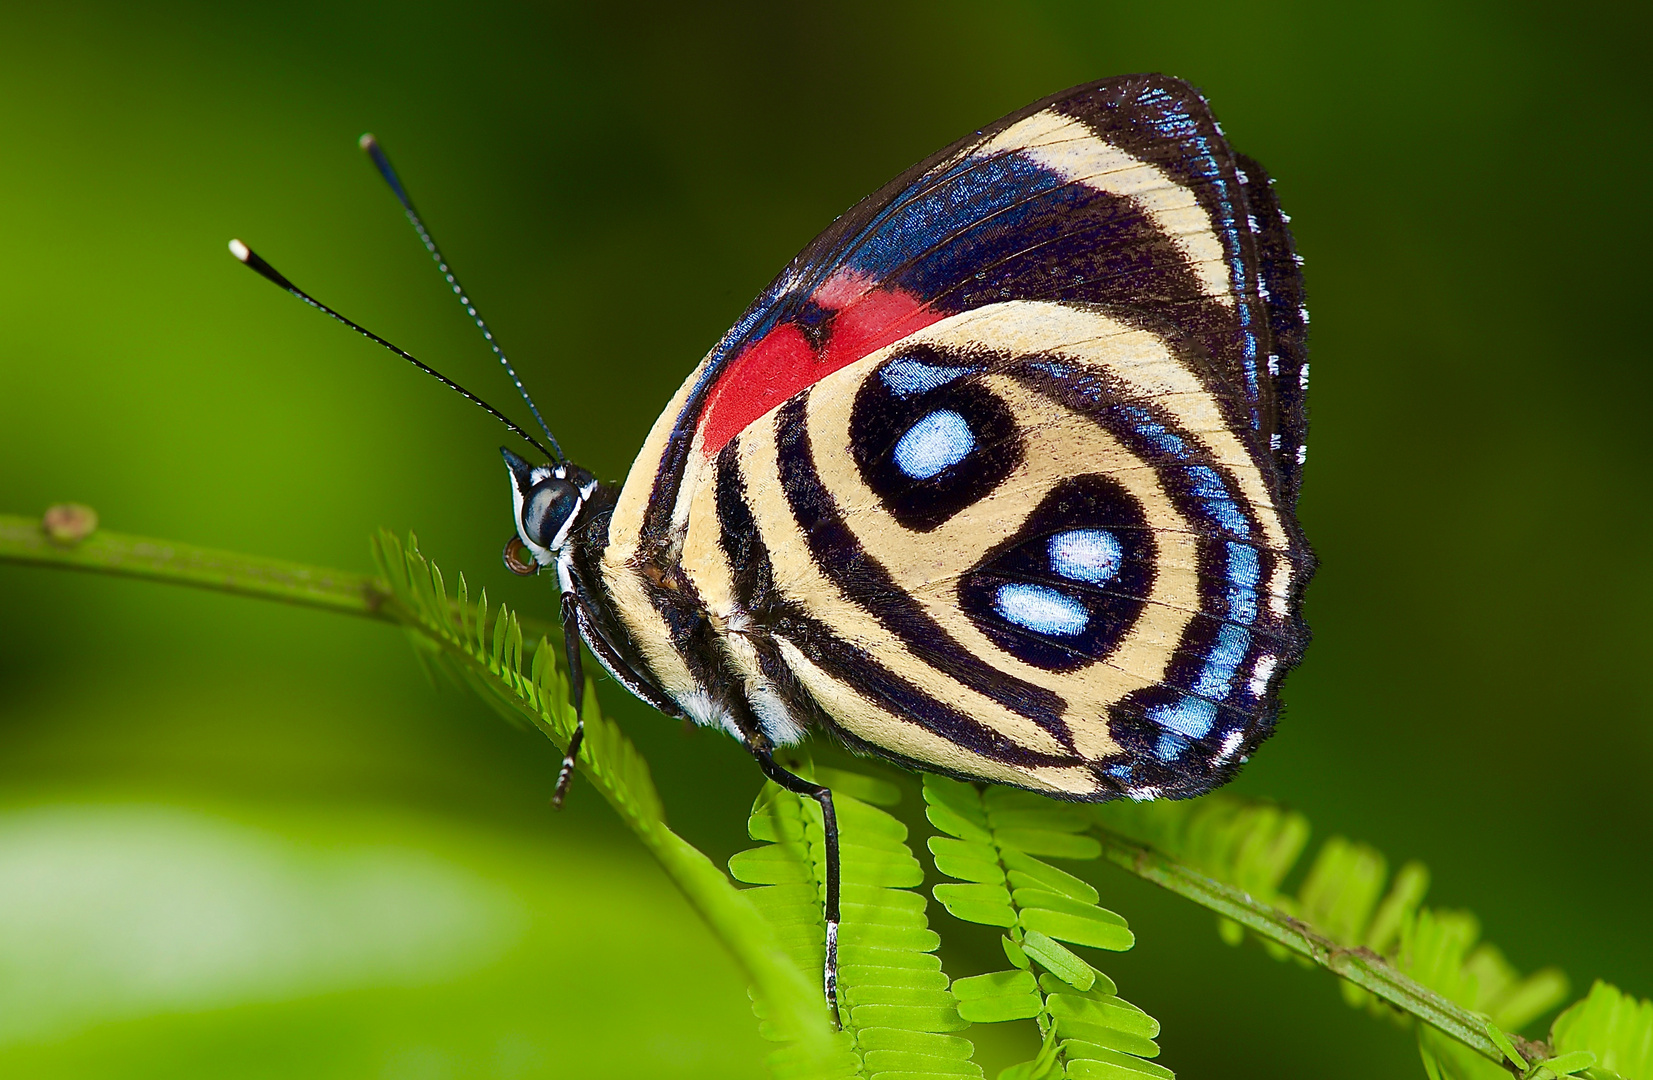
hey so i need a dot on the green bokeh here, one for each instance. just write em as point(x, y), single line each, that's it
point(1469, 185)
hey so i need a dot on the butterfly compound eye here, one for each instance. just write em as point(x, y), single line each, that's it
point(518, 559)
point(547, 512)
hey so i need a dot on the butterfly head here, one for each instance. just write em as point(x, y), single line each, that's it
point(546, 502)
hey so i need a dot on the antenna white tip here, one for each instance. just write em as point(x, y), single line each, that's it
point(367, 141)
point(240, 251)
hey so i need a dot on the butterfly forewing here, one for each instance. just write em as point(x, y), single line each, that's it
point(998, 477)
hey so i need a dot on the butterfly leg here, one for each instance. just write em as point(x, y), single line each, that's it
point(576, 695)
point(829, 827)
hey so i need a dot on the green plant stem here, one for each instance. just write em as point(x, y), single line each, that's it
point(1361, 966)
point(22, 540)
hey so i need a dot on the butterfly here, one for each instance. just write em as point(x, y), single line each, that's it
point(997, 479)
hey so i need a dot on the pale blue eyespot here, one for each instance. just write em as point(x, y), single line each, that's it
point(1089, 555)
point(1041, 609)
point(907, 377)
point(939, 440)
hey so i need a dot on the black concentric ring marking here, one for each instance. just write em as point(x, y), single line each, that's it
point(1110, 607)
point(884, 414)
point(860, 577)
point(754, 583)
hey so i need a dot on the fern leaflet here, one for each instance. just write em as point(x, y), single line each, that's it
point(897, 1013)
point(1610, 1026)
point(993, 838)
point(484, 648)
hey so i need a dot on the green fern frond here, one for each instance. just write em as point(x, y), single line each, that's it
point(483, 648)
point(898, 1016)
point(1226, 854)
point(991, 849)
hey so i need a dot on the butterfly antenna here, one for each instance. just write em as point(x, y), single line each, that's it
point(374, 151)
point(251, 259)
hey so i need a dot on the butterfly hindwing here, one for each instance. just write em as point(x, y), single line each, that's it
point(1041, 550)
point(997, 477)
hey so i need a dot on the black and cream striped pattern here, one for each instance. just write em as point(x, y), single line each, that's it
point(1039, 530)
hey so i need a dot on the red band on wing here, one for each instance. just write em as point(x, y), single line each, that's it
point(783, 362)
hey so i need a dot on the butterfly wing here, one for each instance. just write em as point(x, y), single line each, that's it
point(997, 477)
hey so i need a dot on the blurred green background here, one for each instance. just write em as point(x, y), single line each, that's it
point(243, 840)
